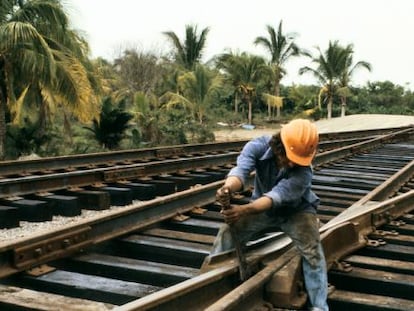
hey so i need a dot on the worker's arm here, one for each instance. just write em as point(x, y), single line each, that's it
point(234, 213)
point(233, 183)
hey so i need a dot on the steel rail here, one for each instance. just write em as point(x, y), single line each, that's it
point(343, 152)
point(353, 225)
point(337, 143)
point(288, 292)
point(194, 293)
point(229, 269)
point(11, 187)
point(390, 186)
point(29, 252)
point(26, 253)
point(372, 132)
point(73, 162)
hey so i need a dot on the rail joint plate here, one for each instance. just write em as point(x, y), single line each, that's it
point(122, 174)
point(49, 249)
point(169, 152)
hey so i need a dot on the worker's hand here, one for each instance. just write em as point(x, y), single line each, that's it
point(223, 196)
point(232, 214)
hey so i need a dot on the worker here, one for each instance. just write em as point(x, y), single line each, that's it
point(282, 198)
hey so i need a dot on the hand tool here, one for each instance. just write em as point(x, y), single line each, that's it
point(243, 266)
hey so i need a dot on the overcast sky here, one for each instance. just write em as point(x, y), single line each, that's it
point(380, 30)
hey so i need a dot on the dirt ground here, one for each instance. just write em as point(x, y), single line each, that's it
point(341, 124)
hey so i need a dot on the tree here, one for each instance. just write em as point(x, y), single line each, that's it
point(198, 89)
point(189, 52)
point(304, 99)
point(145, 111)
point(25, 139)
point(139, 71)
point(329, 68)
point(281, 48)
point(383, 97)
point(245, 71)
point(110, 129)
point(42, 62)
point(226, 63)
point(346, 75)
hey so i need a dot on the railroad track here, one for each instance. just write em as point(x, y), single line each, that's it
point(45, 166)
point(35, 190)
point(147, 256)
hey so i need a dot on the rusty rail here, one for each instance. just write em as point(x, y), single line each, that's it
point(50, 182)
point(91, 160)
point(22, 255)
point(267, 259)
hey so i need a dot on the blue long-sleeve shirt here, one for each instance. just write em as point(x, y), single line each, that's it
point(289, 188)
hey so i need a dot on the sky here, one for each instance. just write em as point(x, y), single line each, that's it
point(379, 30)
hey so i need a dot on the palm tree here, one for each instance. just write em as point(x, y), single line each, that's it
point(138, 70)
point(198, 89)
point(245, 71)
point(329, 68)
point(145, 111)
point(109, 79)
point(42, 60)
point(281, 48)
point(25, 139)
point(189, 52)
point(345, 77)
point(112, 124)
point(226, 63)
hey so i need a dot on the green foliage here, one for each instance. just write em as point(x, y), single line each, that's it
point(246, 72)
point(382, 97)
point(202, 134)
point(164, 101)
point(301, 98)
point(178, 128)
point(174, 127)
point(146, 114)
point(138, 71)
point(25, 140)
point(136, 137)
point(112, 124)
point(281, 47)
point(43, 63)
point(188, 52)
point(79, 142)
point(334, 68)
point(197, 90)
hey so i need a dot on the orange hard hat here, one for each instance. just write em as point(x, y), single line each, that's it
point(300, 139)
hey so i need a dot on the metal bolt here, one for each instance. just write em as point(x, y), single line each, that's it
point(38, 252)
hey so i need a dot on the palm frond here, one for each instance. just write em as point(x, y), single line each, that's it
point(42, 12)
point(272, 101)
point(74, 89)
point(23, 42)
point(189, 51)
point(172, 100)
point(16, 107)
point(6, 7)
